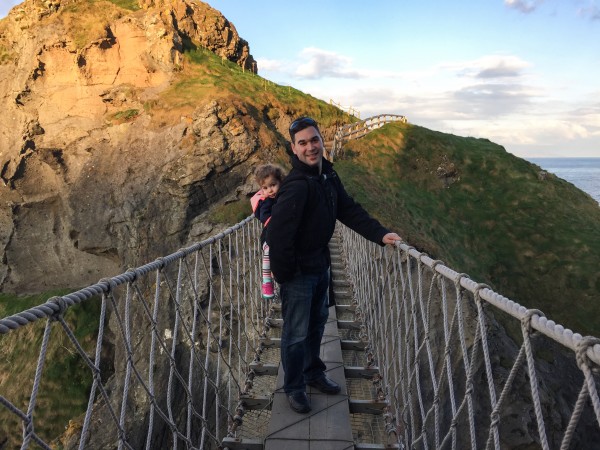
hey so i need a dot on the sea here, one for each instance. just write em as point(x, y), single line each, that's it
point(584, 173)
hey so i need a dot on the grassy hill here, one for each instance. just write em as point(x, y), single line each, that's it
point(530, 235)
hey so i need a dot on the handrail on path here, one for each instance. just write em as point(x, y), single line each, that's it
point(359, 129)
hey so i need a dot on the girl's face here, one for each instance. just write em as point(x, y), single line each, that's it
point(269, 186)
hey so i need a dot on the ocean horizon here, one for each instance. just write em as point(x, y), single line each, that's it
point(584, 173)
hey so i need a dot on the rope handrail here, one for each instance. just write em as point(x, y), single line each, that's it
point(440, 341)
point(51, 307)
point(539, 322)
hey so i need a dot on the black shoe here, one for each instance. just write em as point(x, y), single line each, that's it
point(299, 402)
point(325, 385)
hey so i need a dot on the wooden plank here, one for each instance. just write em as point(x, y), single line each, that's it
point(271, 342)
point(365, 446)
point(257, 403)
point(349, 325)
point(276, 323)
point(367, 406)
point(242, 444)
point(264, 369)
point(360, 372)
point(342, 295)
point(353, 345)
point(345, 308)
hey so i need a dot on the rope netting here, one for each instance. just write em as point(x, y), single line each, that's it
point(183, 332)
point(459, 365)
point(464, 367)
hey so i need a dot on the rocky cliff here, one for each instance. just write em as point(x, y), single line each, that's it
point(89, 176)
point(123, 130)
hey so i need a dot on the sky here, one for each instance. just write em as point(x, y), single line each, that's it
point(524, 74)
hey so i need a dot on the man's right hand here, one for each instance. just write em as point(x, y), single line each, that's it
point(391, 239)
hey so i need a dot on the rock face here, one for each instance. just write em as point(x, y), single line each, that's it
point(92, 180)
point(86, 174)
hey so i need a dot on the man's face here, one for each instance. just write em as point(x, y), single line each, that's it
point(309, 147)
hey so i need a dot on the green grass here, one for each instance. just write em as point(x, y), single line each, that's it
point(208, 77)
point(6, 54)
point(533, 240)
point(125, 116)
point(86, 21)
point(66, 380)
point(131, 5)
point(232, 213)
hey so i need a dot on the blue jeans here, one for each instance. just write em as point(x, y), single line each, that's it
point(305, 312)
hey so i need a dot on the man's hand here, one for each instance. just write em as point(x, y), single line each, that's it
point(390, 238)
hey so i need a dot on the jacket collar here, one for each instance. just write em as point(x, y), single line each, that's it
point(327, 167)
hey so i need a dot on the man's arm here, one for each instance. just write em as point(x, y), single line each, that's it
point(353, 215)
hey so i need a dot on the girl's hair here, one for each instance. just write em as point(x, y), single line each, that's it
point(267, 170)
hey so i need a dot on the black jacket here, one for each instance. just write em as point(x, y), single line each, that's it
point(263, 209)
point(303, 219)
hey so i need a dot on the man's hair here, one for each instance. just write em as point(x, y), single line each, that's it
point(267, 170)
point(300, 124)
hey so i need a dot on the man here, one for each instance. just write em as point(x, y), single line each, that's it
point(303, 218)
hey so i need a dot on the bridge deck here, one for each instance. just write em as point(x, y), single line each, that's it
point(348, 420)
point(327, 426)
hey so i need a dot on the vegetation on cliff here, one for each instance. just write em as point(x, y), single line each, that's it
point(530, 235)
point(65, 386)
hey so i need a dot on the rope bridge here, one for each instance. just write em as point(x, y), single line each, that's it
point(188, 335)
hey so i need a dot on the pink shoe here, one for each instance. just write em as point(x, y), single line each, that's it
point(268, 290)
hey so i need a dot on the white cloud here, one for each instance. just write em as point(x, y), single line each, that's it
point(588, 117)
point(272, 65)
point(524, 6)
point(502, 70)
point(323, 63)
point(492, 99)
point(498, 97)
point(489, 66)
point(591, 12)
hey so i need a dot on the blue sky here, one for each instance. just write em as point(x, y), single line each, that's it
point(522, 73)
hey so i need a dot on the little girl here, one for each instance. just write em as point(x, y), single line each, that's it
point(269, 178)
